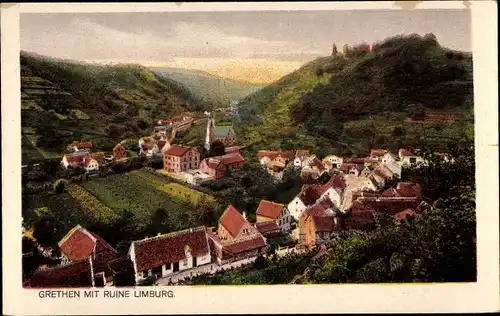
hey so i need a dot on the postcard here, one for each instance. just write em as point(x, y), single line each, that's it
point(250, 157)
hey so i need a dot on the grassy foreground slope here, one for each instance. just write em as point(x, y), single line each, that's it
point(214, 90)
point(65, 100)
point(363, 98)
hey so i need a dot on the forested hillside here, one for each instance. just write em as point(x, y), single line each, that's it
point(213, 90)
point(404, 91)
point(64, 101)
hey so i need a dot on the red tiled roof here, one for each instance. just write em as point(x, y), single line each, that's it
point(245, 245)
point(378, 152)
point(267, 227)
point(85, 145)
point(271, 154)
point(390, 205)
point(310, 194)
point(422, 207)
point(409, 189)
point(77, 157)
point(346, 167)
point(178, 151)
point(269, 209)
point(317, 163)
point(232, 220)
point(391, 192)
point(77, 274)
point(213, 163)
point(79, 244)
point(231, 159)
point(157, 251)
point(118, 146)
point(401, 216)
point(301, 153)
point(405, 153)
point(287, 154)
point(361, 218)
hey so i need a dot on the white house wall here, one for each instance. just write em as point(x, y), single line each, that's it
point(296, 207)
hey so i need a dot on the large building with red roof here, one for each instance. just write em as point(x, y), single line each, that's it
point(74, 275)
point(80, 244)
point(236, 238)
point(171, 253)
point(181, 158)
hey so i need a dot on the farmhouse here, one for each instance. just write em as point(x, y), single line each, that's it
point(89, 161)
point(75, 159)
point(180, 158)
point(218, 166)
point(268, 229)
point(274, 212)
point(80, 244)
point(119, 152)
point(147, 146)
point(236, 238)
point(171, 253)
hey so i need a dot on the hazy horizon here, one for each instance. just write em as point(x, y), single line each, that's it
point(252, 46)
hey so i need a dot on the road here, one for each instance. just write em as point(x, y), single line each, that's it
point(208, 268)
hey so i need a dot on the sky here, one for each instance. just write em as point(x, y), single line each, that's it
point(252, 46)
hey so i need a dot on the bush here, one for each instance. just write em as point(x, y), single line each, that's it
point(59, 186)
point(416, 112)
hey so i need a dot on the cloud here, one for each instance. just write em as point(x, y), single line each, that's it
point(86, 40)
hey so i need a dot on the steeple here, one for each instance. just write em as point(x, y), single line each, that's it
point(210, 124)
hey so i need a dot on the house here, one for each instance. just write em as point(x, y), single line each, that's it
point(366, 171)
point(377, 154)
point(403, 216)
point(147, 146)
point(332, 162)
point(232, 160)
point(300, 157)
point(80, 244)
point(360, 218)
point(81, 146)
point(160, 131)
point(181, 158)
point(236, 238)
point(310, 194)
point(409, 159)
point(352, 169)
point(314, 164)
point(165, 255)
point(409, 189)
point(119, 152)
point(387, 205)
point(318, 222)
point(268, 229)
point(274, 212)
point(394, 167)
point(213, 167)
point(266, 157)
point(90, 165)
point(75, 159)
point(73, 275)
point(388, 158)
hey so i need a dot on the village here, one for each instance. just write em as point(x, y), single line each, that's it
point(356, 191)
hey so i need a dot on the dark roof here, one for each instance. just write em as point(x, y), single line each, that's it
point(270, 209)
point(267, 227)
point(378, 152)
point(77, 274)
point(240, 246)
point(232, 220)
point(121, 264)
point(409, 189)
point(157, 251)
point(231, 158)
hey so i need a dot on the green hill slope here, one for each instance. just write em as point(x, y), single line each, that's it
point(64, 101)
point(363, 98)
point(217, 91)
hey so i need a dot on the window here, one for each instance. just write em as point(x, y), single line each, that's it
point(413, 160)
point(168, 266)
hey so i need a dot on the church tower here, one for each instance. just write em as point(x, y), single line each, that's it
point(210, 126)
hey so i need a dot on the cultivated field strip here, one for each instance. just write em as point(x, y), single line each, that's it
point(91, 204)
point(174, 189)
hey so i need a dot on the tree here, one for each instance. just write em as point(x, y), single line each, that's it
point(217, 148)
point(416, 112)
point(159, 222)
point(44, 231)
point(59, 186)
point(334, 50)
point(398, 131)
